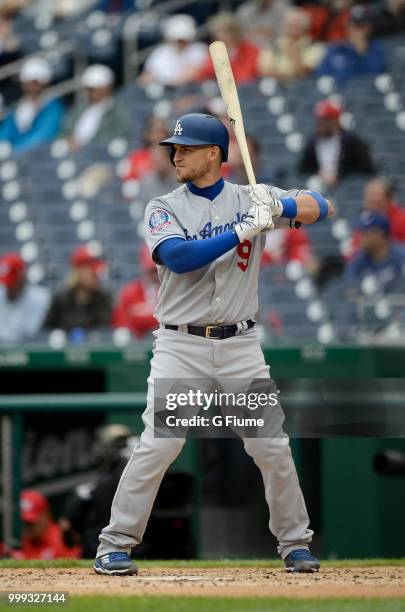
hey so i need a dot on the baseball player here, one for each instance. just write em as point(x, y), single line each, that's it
point(207, 237)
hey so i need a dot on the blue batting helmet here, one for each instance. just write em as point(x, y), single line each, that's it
point(199, 129)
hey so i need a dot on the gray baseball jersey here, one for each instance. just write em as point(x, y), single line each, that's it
point(225, 291)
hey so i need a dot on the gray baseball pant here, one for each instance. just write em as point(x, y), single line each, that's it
point(178, 355)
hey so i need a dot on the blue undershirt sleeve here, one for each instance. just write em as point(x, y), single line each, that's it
point(182, 256)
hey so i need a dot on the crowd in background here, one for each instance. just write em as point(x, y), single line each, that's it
point(285, 40)
point(264, 38)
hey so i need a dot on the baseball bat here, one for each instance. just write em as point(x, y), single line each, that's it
point(227, 86)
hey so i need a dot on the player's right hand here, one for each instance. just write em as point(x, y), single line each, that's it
point(260, 195)
point(258, 219)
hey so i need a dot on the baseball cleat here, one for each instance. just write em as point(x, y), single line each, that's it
point(301, 561)
point(115, 564)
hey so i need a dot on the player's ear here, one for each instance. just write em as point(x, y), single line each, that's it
point(216, 153)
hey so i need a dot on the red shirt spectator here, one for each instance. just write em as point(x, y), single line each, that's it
point(329, 22)
point(49, 546)
point(396, 217)
point(379, 197)
point(140, 162)
point(138, 299)
point(243, 61)
point(42, 537)
point(243, 54)
point(284, 245)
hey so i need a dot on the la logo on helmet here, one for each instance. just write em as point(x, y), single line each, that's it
point(178, 129)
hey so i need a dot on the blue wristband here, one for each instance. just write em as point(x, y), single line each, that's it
point(323, 205)
point(289, 208)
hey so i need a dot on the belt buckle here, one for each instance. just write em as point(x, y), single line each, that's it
point(208, 331)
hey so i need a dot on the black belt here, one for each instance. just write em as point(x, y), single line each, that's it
point(217, 332)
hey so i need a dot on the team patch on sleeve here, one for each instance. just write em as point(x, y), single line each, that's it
point(158, 220)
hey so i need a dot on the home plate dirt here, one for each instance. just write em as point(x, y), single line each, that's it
point(226, 582)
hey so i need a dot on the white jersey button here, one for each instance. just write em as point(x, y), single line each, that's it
point(218, 299)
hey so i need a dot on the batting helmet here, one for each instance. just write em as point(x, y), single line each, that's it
point(199, 129)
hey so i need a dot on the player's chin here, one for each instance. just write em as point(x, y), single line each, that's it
point(181, 176)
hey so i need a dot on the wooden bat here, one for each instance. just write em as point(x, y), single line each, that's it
point(226, 82)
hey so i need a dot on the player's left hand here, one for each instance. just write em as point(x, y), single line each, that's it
point(260, 195)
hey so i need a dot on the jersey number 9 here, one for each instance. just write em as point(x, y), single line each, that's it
point(244, 250)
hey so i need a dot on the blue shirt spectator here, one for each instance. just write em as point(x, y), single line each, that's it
point(378, 256)
point(360, 55)
point(44, 127)
point(22, 306)
point(35, 119)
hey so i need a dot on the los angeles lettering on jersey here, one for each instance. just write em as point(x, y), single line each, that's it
point(208, 231)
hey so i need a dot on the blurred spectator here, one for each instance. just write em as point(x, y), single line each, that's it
point(333, 152)
point(100, 119)
point(140, 162)
point(10, 51)
point(137, 302)
point(177, 59)
point(243, 54)
point(83, 304)
point(22, 306)
point(294, 55)
point(161, 180)
point(41, 536)
point(93, 179)
point(59, 9)
point(12, 7)
point(262, 19)
point(284, 245)
point(377, 256)
point(391, 18)
point(379, 198)
point(237, 172)
point(360, 55)
point(88, 508)
point(36, 119)
point(329, 19)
